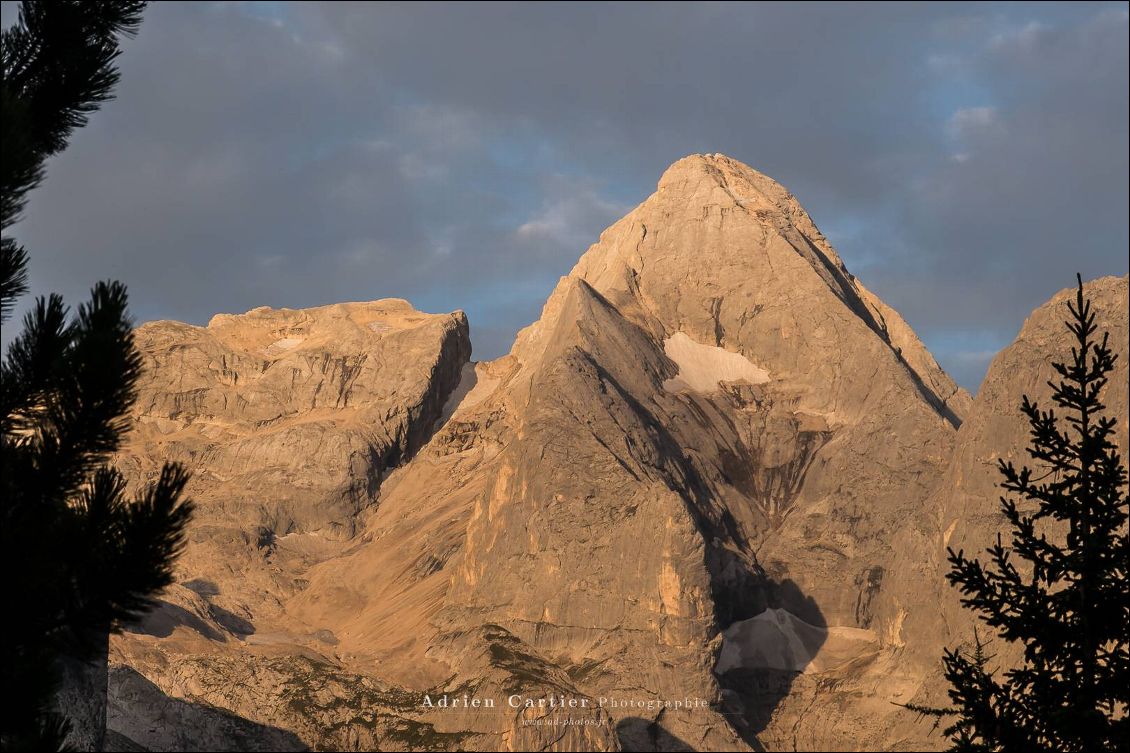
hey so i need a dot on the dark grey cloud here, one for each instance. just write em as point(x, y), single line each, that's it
point(966, 159)
point(1035, 190)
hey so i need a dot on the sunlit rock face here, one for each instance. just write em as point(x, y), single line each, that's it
point(711, 417)
point(289, 421)
point(704, 475)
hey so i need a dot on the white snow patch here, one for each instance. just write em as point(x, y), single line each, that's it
point(702, 367)
point(472, 389)
point(774, 639)
point(285, 343)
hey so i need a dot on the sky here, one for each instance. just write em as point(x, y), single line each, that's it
point(966, 160)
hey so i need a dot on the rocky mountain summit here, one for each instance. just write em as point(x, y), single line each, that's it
point(704, 498)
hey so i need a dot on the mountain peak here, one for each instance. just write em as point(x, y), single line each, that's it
point(717, 162)
point(709, 380)
point(728, 256)
point(742, 183)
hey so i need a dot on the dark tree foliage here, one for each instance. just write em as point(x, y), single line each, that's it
point(82, 557)
point(963, 731)
point(1068, 603)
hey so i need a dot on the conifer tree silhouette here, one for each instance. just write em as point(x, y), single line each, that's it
point(1068, 601)
point(82, 558)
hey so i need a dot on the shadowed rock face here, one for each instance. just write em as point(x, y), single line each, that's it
point(705, 473)
point(142, 717)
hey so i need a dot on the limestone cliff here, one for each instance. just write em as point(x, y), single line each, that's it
point(289, 420)
point(711, 417)
point(717, 470)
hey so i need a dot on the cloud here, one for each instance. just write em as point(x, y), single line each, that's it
point(969, 122)
point(964, 159)
point(1027, 36)
point(570, 212)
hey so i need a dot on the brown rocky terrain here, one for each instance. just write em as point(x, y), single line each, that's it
point(290, 420)
point(717, 470)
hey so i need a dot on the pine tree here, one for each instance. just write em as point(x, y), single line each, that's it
point(82, 558)
point(973, 729)
point(1068, 602)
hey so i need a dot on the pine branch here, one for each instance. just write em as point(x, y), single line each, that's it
point(58, 68)
point(29, 372)
point(130, 548)
point(72, 386)
point(13, 275)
